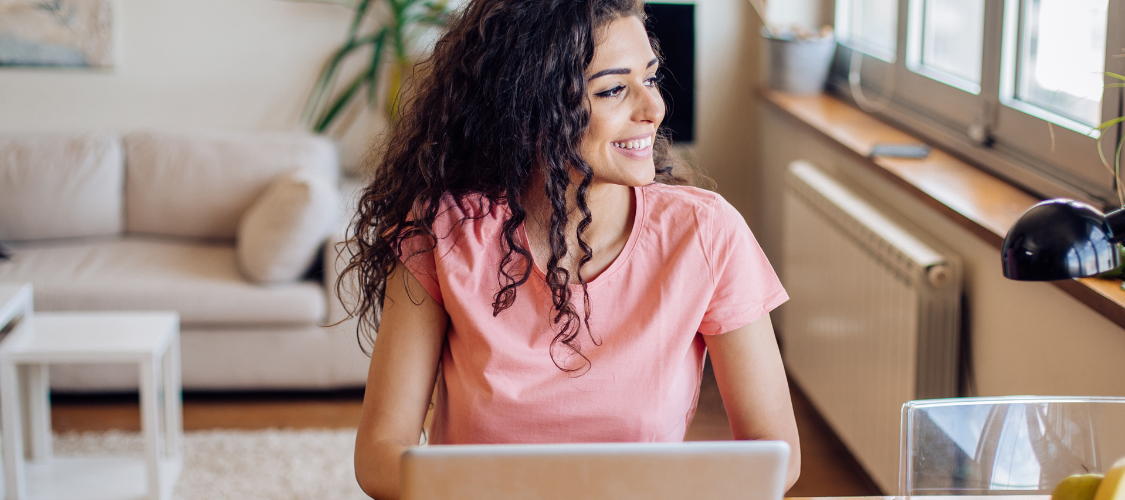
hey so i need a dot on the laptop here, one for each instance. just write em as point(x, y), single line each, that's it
point(750, 470)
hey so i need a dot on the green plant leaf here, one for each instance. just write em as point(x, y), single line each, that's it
point(357, 20)
point(341, 102)
point(1117, 171)
point(326, 102)
point(1109, 123)
point(373, 70)
point(325, 82)
point(397, 8)
point(1116, 168)
point(430, 19)
point(323, 88)
point(1114, 75)
point(328, 76)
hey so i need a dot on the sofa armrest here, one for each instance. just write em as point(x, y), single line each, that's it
point(334, 264)
point(335, 261)
point(351, 364)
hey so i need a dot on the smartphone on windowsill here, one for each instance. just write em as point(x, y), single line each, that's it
point(916, 151)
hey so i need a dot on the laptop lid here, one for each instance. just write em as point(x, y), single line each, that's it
point(751, 470)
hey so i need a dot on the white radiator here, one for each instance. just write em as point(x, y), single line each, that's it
point(873, 319)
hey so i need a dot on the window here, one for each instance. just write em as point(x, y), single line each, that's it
point(951, 36)
point(1061, 57)
point(1015, 85)
point(869, 25)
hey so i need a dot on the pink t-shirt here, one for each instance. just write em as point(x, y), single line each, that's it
point(690, 267)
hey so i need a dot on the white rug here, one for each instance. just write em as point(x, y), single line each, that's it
point(309, 464)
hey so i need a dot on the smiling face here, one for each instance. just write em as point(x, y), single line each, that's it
point(625, 105)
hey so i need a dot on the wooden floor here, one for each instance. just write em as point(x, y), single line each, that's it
point(827, 468)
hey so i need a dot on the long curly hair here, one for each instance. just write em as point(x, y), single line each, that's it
point(502, 95)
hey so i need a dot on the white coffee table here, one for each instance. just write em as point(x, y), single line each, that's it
point(148, 339)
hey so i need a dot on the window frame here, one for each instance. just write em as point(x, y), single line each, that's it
point(990, 129)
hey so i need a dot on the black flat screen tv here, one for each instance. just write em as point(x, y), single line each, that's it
point(673, 26)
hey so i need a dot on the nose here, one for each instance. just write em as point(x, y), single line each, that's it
point(648, 106)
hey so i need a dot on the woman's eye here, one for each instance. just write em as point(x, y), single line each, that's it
point(653, 80)
point(614, 92)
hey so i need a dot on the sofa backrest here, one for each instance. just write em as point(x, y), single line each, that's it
point(199, 185)
point(60, 186)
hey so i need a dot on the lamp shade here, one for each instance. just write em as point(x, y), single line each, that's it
point(1061, 239)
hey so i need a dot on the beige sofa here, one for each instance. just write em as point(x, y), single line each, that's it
point(223, 228)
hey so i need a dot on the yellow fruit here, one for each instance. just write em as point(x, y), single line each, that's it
point(1077, 487)
point(1113, 486)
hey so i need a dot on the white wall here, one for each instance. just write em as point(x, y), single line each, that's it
point(249, 65)
point(188, 65)
point(807, 14)
point(728, 56)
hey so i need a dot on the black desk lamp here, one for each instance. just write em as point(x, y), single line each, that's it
point(1061, 239)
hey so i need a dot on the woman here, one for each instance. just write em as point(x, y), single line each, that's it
point(513, 236)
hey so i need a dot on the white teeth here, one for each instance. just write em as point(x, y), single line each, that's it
point(639, 144)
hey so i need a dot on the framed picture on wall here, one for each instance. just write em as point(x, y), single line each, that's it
point(57, 33)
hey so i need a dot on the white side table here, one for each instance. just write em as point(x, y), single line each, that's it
point(15, 302)
point(150, 340)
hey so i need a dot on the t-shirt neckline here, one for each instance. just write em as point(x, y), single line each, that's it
point(622, 258)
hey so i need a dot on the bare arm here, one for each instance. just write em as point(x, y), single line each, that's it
point(400, 382)
point(752, 382)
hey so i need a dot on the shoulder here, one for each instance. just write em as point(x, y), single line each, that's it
point(474, 205)
point(707, 209)
point(701, 215)
point(472, 212)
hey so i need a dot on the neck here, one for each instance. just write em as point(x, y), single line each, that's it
point(612, 211)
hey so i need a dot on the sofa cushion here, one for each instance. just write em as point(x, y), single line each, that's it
point(281, 234)
point(199, 185)
point(60, 186)
point(200, 280)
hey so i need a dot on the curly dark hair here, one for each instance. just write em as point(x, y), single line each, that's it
point(502, 95)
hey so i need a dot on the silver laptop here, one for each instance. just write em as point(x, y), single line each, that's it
point(751, 470)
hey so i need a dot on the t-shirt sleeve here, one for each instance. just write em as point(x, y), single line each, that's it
point(417, 254)
point(746, 286)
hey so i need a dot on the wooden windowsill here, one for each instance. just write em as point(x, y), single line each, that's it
point(977, 201)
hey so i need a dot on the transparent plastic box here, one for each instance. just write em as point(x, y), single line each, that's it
point(1016, 445)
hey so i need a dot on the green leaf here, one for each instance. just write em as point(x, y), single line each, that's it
point(1114, 75)
point(325, 82)
point(1109, 123)
point(360, 12)
point(397, 8)
point(373, 70)
point(430, 19)
point(323, 88)
point(1101, 153)
point(1117, 170)
point(341, 103)
point(327, 102)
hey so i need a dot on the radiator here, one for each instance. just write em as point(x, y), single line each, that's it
point(873, 319)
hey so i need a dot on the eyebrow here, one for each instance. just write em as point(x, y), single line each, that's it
point(619, 71)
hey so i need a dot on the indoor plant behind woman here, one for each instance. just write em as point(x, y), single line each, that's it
point(513, 235)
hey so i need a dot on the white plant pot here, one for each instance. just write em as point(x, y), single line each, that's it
point(800, 66)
